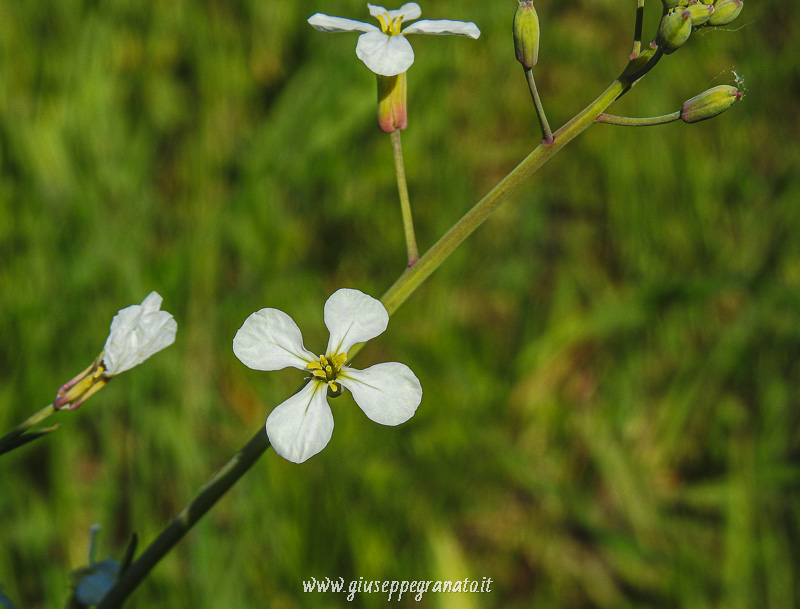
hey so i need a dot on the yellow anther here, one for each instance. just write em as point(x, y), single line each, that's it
point(390, 27)
point(396, 23)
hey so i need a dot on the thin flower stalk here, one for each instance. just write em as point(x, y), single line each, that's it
point(405, 204)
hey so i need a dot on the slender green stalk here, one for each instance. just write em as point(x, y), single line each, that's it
point(637, 30)
point(13, 438)
point(626, 121)
point(547, 134)
point(214, 489)
point(25, 438)
point(405, 205)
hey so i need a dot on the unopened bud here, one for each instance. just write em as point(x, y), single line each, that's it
point(725, 11)
point(700, 13)
point(392, 113)
point(670, 4)
point(675, 28)
point(526, 34)
point(710, 103)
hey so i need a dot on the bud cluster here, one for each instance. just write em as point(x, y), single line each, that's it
point(682, 17)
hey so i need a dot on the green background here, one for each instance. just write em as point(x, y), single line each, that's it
point(610, 364)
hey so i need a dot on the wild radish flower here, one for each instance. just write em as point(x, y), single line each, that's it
point(385, 50)
point(136, 333)
point(302, 426)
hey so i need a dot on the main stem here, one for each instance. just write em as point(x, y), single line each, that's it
point(405, 205)
point(409, 281)
point(206, 497)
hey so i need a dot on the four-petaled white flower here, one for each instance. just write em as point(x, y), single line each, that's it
point(385, 50)
point(302, 426)
point(136, 333)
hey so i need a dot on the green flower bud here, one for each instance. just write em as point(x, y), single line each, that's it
point(710, 103)
point(675, 28)
point(526, 34)
point(670, 4)
point(725, 11)
point(700, 13)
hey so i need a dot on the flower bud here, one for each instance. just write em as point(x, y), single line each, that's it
point(670, 4)
point(392, 115)
point(526, 34)
point(700, 13)
point(710, 103)
point(675, 28)
point(725, 11)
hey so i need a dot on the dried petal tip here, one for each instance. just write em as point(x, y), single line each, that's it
point(725, 11)
point(710, 103)
point(526, 34)
point(675, 28)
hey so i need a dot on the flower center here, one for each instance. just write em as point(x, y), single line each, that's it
point(325, 371)
point(390, 27)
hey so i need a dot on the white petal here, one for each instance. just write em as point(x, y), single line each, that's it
point(353, 317)
point(270, 340)
point(387, 393)
point(136, 333)
point(444, 26)
point(326, 23)
point(376, 10)
point(385, 55)
point(301, 426)
point(408, 12)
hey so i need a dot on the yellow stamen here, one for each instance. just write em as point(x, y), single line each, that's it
point(325, 369)
point(390, 27)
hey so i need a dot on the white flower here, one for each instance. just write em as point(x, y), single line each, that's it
point(385, 50)
point(301, 426)
point(136, 333)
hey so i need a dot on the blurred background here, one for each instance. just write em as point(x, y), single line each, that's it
point(610, 364)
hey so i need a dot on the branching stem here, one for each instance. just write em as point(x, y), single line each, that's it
point(626, 121)
point(405, 285)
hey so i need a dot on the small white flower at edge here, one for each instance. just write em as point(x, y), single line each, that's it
point(302, 426)
point(385, 50)
point(136, 333)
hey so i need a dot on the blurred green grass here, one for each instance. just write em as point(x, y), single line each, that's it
point(610, 364)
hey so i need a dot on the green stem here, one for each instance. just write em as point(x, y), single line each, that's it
point(394, 297)
point(626, 121)
point(214, 489)
point(405, 205)
point(12, 439)
point(547, 134)
point(637, 30)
